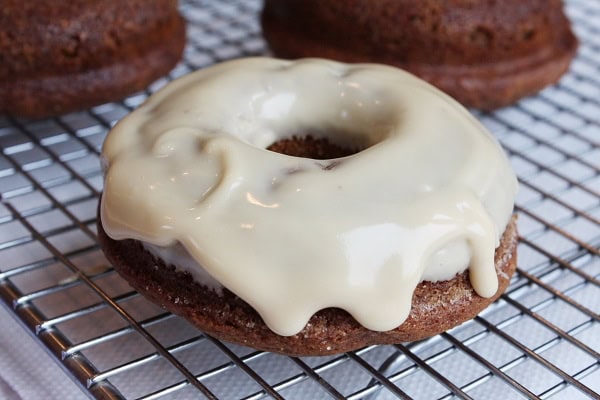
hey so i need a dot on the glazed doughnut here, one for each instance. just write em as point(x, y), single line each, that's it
point(246, 243)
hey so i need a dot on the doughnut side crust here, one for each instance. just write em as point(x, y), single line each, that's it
point(55, 95)
point(485, 87)
point(436, 306)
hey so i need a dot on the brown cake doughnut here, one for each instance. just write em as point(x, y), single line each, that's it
point(67, 55)
point(309, 207)
point(485, 53)
point(436, 306)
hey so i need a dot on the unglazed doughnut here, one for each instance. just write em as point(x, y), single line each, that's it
point(201, 218)
point(62, 56)
point(484, 53)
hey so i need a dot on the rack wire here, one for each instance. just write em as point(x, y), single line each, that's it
point(540, 340)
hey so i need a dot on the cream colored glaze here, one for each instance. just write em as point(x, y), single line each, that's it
point(430, 195)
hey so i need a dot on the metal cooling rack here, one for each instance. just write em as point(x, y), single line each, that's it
point(542, 339)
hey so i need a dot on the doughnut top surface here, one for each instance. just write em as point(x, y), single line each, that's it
point(429, 196)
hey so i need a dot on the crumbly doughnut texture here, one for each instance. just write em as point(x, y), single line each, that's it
point(436, 306)
point(62, 56)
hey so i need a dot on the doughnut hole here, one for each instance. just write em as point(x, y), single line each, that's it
point(311, 147)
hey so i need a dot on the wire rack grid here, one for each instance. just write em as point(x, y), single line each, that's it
point(541, 340)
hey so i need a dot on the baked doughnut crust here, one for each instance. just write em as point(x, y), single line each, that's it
point(436, 306)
